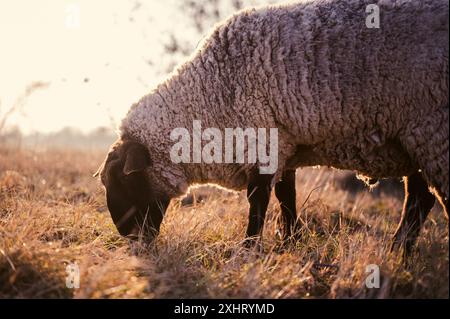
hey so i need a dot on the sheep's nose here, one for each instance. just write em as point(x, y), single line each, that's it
point(127, 224)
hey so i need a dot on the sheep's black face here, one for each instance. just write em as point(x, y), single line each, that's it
point(136, 208)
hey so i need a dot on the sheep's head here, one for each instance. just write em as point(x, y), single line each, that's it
point(135, 201)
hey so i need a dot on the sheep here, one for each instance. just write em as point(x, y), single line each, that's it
point(340, 94)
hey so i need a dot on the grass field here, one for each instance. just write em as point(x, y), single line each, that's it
point(52, 213)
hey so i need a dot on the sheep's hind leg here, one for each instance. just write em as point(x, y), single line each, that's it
point(286, 195)
point(427, 144)
point(418, 203)
point(258, 195)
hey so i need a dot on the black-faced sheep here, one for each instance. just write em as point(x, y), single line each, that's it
point(372, 100)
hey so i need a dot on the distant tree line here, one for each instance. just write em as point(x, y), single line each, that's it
point(72, 138)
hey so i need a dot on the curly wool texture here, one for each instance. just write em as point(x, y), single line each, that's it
point(341, 94)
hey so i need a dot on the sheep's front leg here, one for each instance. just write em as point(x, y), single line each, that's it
point(418, 203)
point(286, 195)
point(258, 195)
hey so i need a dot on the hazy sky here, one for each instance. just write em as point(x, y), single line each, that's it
point(94, 54)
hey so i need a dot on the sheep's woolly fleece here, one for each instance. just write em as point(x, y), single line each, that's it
point(341, 94)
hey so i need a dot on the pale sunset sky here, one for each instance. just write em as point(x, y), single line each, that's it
point(94, 54)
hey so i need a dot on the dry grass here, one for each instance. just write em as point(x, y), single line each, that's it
point(52, 212)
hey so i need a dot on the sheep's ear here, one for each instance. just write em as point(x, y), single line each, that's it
point(110, 155)
point(99, 170)
point(137, 159)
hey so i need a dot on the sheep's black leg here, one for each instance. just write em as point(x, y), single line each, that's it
point(286, 195)
point(258, 195)
point(418, 203)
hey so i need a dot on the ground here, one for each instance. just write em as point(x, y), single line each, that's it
point(53, 214)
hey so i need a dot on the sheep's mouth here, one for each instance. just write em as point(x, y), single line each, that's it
point(136, 221)
point(136, 224)
point(126, 225)
point(123, 214)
